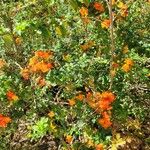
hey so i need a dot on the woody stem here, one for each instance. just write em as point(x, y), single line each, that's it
point(112, 45)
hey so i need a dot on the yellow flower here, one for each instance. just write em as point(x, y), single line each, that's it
point(58, 31)
point(125, 49)
point(148, 75)
point(121, 5)
point(53, 127)
point(90, 143)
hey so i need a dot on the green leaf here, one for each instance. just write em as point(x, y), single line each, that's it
point(74, 4)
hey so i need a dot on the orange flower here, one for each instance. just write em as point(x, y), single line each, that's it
point(51, 114)
point(129, 61)
point(112, 73)
point(4, 121)
point(113, 2)
point(97, 96)
point(124, 12)
point(33, 61)
point(45, 67)
point(91, 100)
point(41, 54)
point(41, 81)
point(99, 147)
point(128, 65)
point(11, 96)
point(89, 96)
point(108, 96)
point(86, 20)
point(87, 45)
point(69, 139)
point(105, 23)
point(25, 73)
point(18, 41)
point(84, 47)
point(92, 104)
point(104, 105)
point(71, 102)
point(83, 11)
point(98, 6)
point(42, 66)
point(50, 65)
point(80, 97)
point(2, 63)
point(123, 9)
point(126, 68)
point(115, 65)
point(105, 121)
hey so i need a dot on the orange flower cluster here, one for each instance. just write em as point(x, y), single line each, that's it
point(98, 6)
point(115, 65)
point(69, 139)
point(72, 102)
point(114, 69)
point(106, 100)
point(105, 23)
point(18, 40)
point(11, 96)
point(4, 121)
point(101, 102)
point(128, 63)
point(99, 147)
point(87, 45)
point(105, 121)
point(79, 97)
point(83, 11)
point(41, 81)
point(39, 63)
point(51, 114)
point(2, 63)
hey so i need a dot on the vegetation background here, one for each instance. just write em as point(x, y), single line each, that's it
point(74, 74)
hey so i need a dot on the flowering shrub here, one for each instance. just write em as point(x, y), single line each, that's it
point(74, 73)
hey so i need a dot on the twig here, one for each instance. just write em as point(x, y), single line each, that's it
point(18, 65)
point(112, 46)
point(57, 95)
